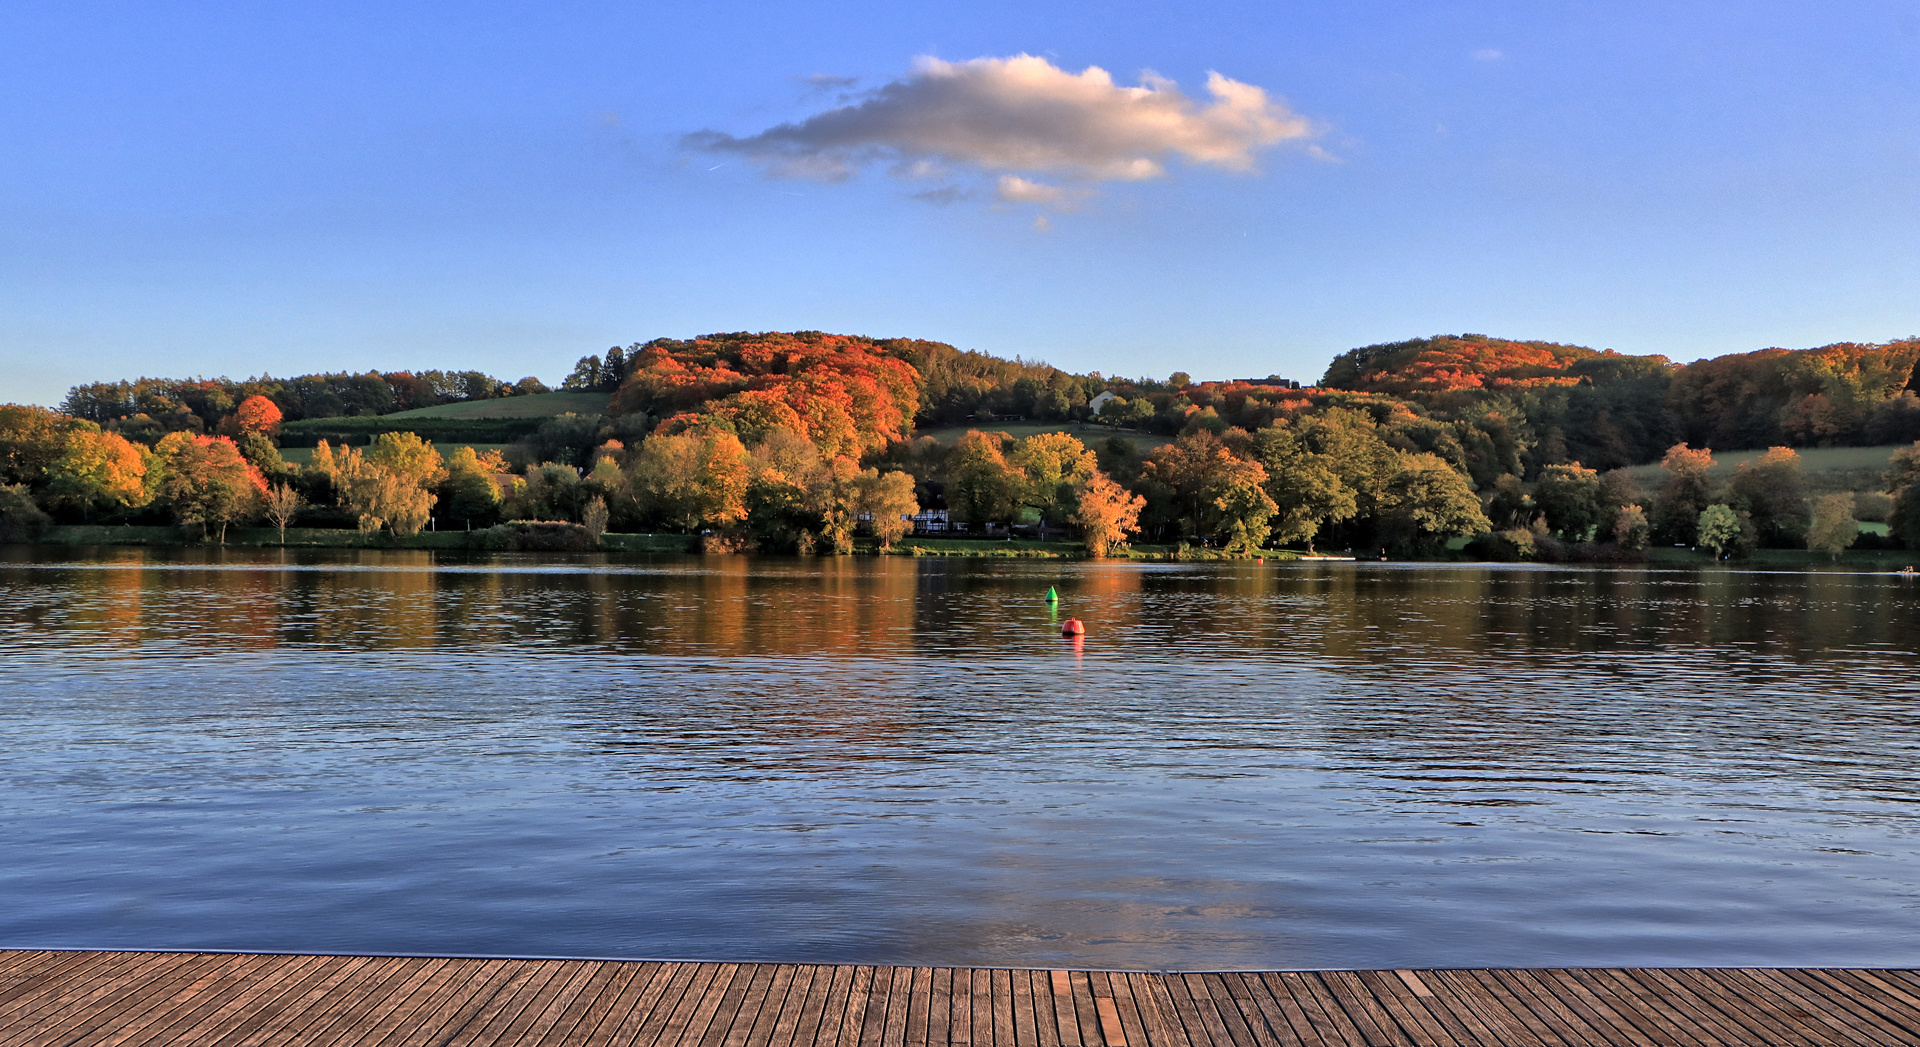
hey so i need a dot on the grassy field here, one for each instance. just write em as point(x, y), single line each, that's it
point(1824, 469)
point(542, 405)
point(1088, 434)
point(303, 456)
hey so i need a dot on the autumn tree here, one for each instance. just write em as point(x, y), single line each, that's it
point(255, 415)
point(1238, 507)
point(982, 487)
point(887, 500)
point(390, 484)
point(469, 493)
point(282, 503)
point(99, 472)
point(205, 481)
point(693, 479)
point(1106, 513)
point(1834, 528)
point(31, 440)
point(1630, 528)
point(1683, 494)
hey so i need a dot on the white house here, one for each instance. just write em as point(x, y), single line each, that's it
point(1094, 405)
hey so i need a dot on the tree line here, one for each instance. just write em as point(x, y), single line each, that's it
point(798, 441)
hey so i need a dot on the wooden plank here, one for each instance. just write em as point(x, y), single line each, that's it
point(1476, 1008)
point(517, 1003)
point(813, 1013)
point(1133, 1025)
point(1376, 1025)
point(1706, 1011)
point(764, 1013)
point(75, 1016)
point(161, 1009)
point(1003, 1007)
point(1844, 995)
point(725, 988)
point(1562, 984)
point(93, 985)
point(940, 1008)
point(279, 1009)
point(471, 985)
point(644, 1019)
point(1405, 996)
point(738, 1005)
point(1864, 988)
point(1066, 1021)
point(1671, 1020)
point(201, 1014)
point(322, 1017)
point(1147, 996)
point(1026, 1027)
point(1858, 1025)
point(1572, 1025)
point(106, 999)
point(1322, 1011)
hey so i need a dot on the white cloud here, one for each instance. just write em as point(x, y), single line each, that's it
point(1024, 116)
point(1489, 54)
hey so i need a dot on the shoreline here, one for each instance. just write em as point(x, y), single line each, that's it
point(69, 536)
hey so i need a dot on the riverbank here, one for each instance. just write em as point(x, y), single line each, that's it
point(970, 548)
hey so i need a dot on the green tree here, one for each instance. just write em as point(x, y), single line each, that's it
point(1054, 465)
point(1427, 502)
point(1718, 528)
point(1573, 499)
point(1834, 528)
point(982, 487)
point(1239, 510)
point(1771, 492)
point(21, 520)
point(469, 492)
point(1306, 488)
point(1683, 494)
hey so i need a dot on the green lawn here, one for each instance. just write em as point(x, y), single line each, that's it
point(1088, 434)
point(542, 405)
point(1824, 469)
point(303, 456)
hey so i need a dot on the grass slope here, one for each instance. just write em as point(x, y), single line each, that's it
point(541, 405)
point(1087, 434)
point(1823, 469)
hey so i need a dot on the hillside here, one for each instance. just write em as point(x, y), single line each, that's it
point(540, 405)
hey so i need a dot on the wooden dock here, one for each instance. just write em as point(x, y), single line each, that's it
point(123, 999)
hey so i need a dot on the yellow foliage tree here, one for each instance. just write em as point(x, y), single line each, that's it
point(100, 471)
point(1107, 513)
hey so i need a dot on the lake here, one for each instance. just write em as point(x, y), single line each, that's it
point(901, 761)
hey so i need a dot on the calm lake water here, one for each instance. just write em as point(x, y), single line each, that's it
point(900, 761)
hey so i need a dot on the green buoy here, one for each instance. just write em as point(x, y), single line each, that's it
point(1052, 597)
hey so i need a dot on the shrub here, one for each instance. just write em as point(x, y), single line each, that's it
point(534, 536)
point(21, 521)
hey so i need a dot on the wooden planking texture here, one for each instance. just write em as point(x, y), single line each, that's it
point(119, 999)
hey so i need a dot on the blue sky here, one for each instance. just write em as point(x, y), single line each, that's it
point(239, 188)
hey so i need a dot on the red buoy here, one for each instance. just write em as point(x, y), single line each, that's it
point(1072, 627)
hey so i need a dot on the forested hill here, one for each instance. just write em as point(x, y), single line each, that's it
point(786, 440)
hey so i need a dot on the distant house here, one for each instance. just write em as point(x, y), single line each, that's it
point(1094, 405)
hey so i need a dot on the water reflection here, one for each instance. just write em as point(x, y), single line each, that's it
point(903, 761)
